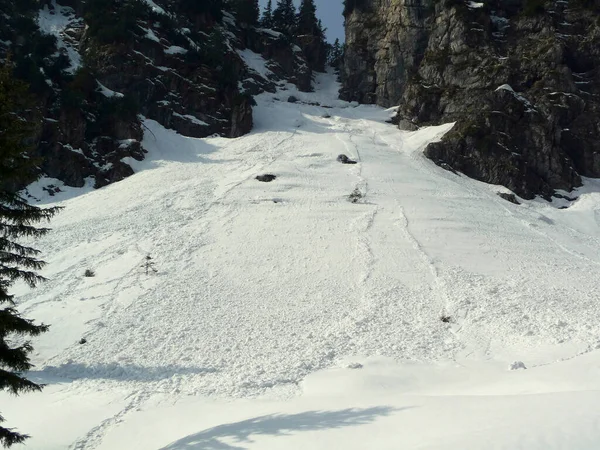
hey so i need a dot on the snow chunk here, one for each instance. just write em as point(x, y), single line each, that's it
point(505, 87)
point(472, 4)
point(517, 365)
point(191, 118)
point(126, 143)
point(175, 50)
point(150, 35)
point(108, 92)
point(270, 32)
point(155, 7)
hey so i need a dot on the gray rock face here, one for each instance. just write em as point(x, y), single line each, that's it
point(521, 79)
point(185, 69)
point(286, 61)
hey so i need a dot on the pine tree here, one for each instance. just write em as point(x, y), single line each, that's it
point(148, 265)
point(284, 17)
point(307, 18)
point(321, 30)
point(212, 7)
point(17, 262)
point(247, 11)
point(267, 18)
point(336, 54)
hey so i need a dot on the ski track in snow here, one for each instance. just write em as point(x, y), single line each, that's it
point(261, 284)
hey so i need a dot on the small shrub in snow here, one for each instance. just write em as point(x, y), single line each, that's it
point(446, 319)
point(89, 273)
point(355, 196)
point(148, 265)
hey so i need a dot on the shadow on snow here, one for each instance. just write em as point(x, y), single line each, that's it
point(276, 425)
point(113, 371)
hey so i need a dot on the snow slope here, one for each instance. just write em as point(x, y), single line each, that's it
point(283, 315)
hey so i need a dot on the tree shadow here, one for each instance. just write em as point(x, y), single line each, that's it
point(113, 371)
point(277, 425)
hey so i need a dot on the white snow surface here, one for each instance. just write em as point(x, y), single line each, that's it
point(283, 316)
point(108, 92)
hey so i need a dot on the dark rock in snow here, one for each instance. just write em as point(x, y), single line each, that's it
point(266, 178)
point(355, 196)
point(509, 197)
point(292, 99)
point(345, 160)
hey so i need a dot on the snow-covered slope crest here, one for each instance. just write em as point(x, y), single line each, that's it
point(370, 305)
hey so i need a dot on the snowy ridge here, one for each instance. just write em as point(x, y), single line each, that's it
point(284, 315)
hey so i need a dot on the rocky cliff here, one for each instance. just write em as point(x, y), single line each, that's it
point(521, 79)
point(97, 67)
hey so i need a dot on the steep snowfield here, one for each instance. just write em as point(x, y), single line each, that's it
point(282, 315)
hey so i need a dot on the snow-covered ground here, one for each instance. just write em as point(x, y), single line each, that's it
point(284, 316)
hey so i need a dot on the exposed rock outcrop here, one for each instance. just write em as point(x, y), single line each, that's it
point(286, 61)
point(97, 66)
point(520, 78)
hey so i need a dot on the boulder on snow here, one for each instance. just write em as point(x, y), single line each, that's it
point(509, 197)
point(292, 99)
point(345, 160)
point(266, 178)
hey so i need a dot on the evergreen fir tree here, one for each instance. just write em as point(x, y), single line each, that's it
point(148, 265)
point(284, 17)
point(267, 18)
point(336, 54)
point(17, 262)
point(212, 7)
point(307, 18)
point(320, 61)
point(320, 31)
point(247, 11)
